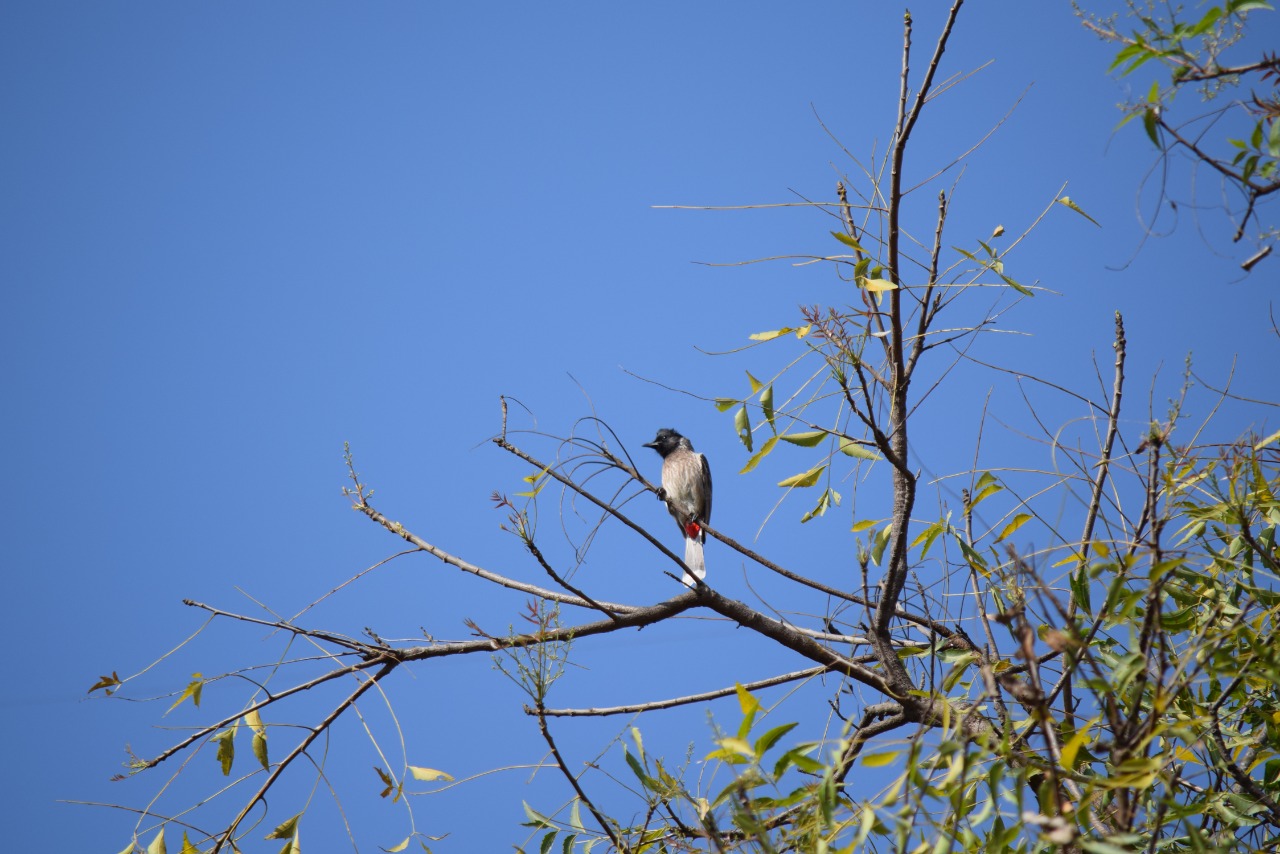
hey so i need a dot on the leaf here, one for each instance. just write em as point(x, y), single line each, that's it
point(157, 844)
point(536, 819)
point(188, 847)
point(389, 785)
point(1018, 521)
point(742, 426)
point(766, 405)
point(254, 722)
point(429, 775)
point(813, 437)
point(756, 385)
point(1149, 125)
point(877, 286)
point(760, 454)
point(1073, 745)
point(724, 404)
point(859, 527)
point(748, 703)
point(997, 232)
point(287, 830)
point(226, 749)
point(985, 493)
point(192, 690)
point(112, 682)
point(849, 241)
point(771, 334)
point(1066, 200)
point(828, 497)
point(547, 841)
point(879, 760)
point(398, 848)
point(850, 448)
point(770, 738)
point(808, 478)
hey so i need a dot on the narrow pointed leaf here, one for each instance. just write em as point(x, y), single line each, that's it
point(760, 454)
point(1066, 200)
point(848, 241)
point(1018, 521)
point(858, 451)
point(287, 830)
point(808, 439)
point(771, 334)
point(808, 478)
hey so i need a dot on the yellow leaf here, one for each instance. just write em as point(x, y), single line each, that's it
point(748, 703)
point(157, 844)
point(1072, 747)
point(770, 335)
point(1018, 521)
point(879, 285)
point(859, 527)
point(876, 760)
point(428, 775)
point(808, 478)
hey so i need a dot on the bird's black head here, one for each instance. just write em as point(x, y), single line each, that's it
point(666, 441)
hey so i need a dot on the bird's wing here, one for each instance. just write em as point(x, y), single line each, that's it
point(706, 480)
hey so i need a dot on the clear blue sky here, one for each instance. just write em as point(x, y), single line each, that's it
point(234, 236)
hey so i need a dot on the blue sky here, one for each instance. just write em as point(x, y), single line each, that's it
point(237, 236)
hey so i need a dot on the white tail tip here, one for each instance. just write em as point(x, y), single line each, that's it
point(694, 559)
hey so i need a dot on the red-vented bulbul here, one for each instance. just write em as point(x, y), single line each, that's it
point(686, 487)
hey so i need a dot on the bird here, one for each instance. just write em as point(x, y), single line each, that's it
point(686, 488)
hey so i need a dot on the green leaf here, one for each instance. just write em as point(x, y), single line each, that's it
point(637, 769)
point(770, 738)
point(808, 478)
point(760, 454)
point(1250, 6)
point(1018, 521)
point(1149, 125)
point(724, 404)
point(766, 405)
point(226, 749)
point(536, 819)
point(742, 426)
point(188, 847)
point(810, 438)
point(547, 841)
point(254, 723)
point(850, 448)
point(985, 493)
point(192, 690)
point(1066, 201)
point(879, 760)
point(756, 385)
point(828, 497)
point(1073, 745)
point(429, 775)
point(157, 844)
point(849, 241)
point(287, 830)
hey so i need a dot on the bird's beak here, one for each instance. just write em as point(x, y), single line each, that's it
point(653, 445)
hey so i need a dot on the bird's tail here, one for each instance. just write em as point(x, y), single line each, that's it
point(694, 559)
